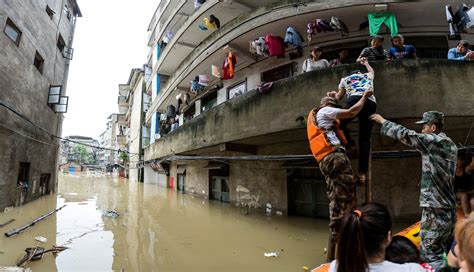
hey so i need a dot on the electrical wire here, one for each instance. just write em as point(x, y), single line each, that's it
point(10, 108)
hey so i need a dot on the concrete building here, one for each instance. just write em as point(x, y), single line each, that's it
point(109, 141)
point(36, 49)
point(67, 149)
point(136, 101)
point(237, 145)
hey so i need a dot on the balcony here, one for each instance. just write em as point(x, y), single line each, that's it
point(278, 117)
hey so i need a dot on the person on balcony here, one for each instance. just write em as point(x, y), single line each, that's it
point(315, 62)
point(400, 50)
point(374, 52)
point(355, 85)
point(437, 198)
point(327, 145)
point(343, 58)
point(461, 51)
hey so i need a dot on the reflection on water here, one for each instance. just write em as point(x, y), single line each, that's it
point(158, 230)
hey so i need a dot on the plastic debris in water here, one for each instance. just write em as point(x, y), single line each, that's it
point(41, 239)
point(111, 213)
point(271, 254)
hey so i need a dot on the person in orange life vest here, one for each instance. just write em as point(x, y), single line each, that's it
point(326, 143)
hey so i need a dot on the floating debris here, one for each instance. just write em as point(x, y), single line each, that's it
point(111, 213)
point(271, 254)
point(6, 223)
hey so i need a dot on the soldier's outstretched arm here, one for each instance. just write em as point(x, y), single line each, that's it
point(422, 142)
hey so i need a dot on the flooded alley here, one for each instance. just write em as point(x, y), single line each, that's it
point(149, 228)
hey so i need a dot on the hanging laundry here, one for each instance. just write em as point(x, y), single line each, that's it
point(293, 37)
point(461, 18)
point(198, 3)
point(470, 13)
point(215, 71)
point(213, 20)
point(339, 26)
point(258, 47)
point(203, 80)
point(324, 25)
point(377, 19)
point(195, 86)
point(209, 25)
point(453, 32)
point(228, 66)
point(202, 27)
point(276, 46)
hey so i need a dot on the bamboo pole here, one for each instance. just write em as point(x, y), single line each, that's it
point(22, 228)
point(368, 182)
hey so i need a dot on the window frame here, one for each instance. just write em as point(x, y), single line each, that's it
point(38, 62)
point(60, 42)
point(234, 86)
point(9, 23)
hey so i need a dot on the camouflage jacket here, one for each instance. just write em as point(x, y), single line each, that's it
point(438, 155)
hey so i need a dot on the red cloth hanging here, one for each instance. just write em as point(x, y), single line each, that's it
point(228, 66)
point(276, 45)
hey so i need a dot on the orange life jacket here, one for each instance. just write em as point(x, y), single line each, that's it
point(318, 141)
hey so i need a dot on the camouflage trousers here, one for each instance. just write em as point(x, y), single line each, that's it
point(337, 170)
point(436, 233)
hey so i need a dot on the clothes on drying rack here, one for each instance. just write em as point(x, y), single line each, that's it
point(276, 46)
point(293, 37)
point(258, 47)
point(377, 19)
point(461, 18)
point(198, 3)
point(213, 20)
point(228, 66)
point(339, 26)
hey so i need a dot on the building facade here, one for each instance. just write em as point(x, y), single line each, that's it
point(235, 144)
point(111, 140)
point(36, 49)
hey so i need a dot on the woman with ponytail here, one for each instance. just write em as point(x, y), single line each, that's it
point(364, 235)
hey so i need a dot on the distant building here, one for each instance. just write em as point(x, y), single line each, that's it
point(67, 149)
point(134, 102)
point(109, 141)
point(35, 52)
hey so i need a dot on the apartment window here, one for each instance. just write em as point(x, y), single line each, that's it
point(23, 174)
point(61, 44)
point(50, 12)
point(278, 73)
point(237, 89)
point(39, 62)
point(209, 102)
point(67, 12)
point(12, 31)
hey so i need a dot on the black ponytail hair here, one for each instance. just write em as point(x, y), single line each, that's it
point(362, 236)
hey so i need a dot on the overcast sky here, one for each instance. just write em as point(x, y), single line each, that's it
point(110, 40)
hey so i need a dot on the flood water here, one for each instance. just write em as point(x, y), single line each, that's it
point(157, 229)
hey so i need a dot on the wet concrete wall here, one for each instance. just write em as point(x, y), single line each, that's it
point(25, 89)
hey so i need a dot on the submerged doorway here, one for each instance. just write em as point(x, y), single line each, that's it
point(219, 184)
point(307, 193)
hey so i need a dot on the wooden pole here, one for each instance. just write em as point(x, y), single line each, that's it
point(22, 228)
point(368, 182)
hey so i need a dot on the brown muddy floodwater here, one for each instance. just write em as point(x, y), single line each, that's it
point(157, 229)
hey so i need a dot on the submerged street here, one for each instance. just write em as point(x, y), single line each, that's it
point(157, 229)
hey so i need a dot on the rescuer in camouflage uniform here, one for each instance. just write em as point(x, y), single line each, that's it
point(437, 198)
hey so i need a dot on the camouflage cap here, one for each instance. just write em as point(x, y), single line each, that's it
point(432, 117)
point(328, 100)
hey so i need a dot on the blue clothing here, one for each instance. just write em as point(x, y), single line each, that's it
point(454, 55)
point(293, 37)
point(406, 52)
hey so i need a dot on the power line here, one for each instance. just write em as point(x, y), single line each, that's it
point(10, 108)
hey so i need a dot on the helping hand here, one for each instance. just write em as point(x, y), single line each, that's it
point(377, 118)
point(332, 94)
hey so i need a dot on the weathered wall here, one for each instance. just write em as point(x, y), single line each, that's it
point(197, 178)
point(255, 184)
point(403, 89)
point(25, 89)
point(135, 128)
